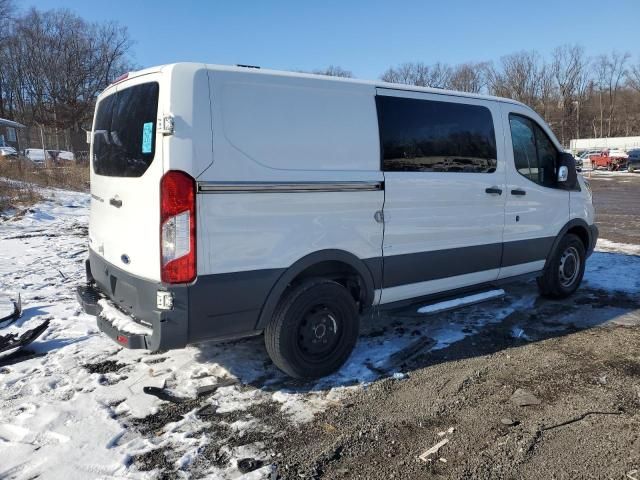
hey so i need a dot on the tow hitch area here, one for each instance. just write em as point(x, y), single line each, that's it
point(115, 324)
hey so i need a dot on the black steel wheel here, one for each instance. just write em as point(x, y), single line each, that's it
point(565, 269)
point(313, 330)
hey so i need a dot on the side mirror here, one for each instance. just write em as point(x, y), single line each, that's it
point(567, 174)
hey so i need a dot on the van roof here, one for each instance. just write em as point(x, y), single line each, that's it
point(373, 83)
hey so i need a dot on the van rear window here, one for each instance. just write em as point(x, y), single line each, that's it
point(124, 135)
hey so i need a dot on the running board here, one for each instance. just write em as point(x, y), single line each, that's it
point(458, 302)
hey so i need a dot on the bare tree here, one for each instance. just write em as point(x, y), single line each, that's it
point(570, 70)
point(469, 77)
point(7, 12)
point(59, 64)
point(437, 75)
point(520, 76)
point(633, 77)
point(611, 71)
point(573, 93)
point(334, 71)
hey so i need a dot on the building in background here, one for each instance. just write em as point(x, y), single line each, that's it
point(623, 143)
point(9, 136)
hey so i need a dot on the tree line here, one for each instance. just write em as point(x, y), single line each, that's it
point(55, 64)
point(579, 96)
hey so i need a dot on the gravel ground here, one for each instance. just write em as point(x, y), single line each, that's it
point(617, 202)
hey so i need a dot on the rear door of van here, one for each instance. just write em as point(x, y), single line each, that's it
point(126, 168)
point(443, 162)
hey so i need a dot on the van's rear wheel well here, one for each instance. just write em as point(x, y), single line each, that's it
point(339, 272)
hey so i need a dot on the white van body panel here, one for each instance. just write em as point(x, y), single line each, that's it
point(581, 203)
point(287, 130)
point(187, 102)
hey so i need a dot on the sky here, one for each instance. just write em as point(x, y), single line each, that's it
point(365, 37)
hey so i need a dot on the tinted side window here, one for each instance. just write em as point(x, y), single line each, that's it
point(524, 146)
point(547, 157)
point(534, 154)
point(429, 136)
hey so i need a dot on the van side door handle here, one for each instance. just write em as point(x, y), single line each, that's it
point(518, 191)
point(116, 202)
point(493, 190)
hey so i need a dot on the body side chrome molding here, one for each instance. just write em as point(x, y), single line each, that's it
point(288, 187)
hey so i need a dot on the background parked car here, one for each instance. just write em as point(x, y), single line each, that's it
point(50, 157)
point(613, 159)
point(65, 156)
point(633, 162)
point(36, 155)
point(586, 155)
point(7, 152)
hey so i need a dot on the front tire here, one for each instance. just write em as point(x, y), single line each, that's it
point(564, 273)
point(313, 330)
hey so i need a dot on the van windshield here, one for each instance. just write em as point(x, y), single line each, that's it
point(124, 133)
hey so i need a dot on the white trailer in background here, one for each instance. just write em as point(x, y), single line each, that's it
point(623, 143)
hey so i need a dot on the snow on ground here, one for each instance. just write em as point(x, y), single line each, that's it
point(60, 421)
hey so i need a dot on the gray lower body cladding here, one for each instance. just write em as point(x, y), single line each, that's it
point(214, 307)
point(230, 305)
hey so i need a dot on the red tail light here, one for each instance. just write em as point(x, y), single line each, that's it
point(177, 227)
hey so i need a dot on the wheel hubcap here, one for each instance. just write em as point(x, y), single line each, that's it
point(318, 332)
point(569, 267)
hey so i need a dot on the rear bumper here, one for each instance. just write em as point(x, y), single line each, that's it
point(136, 297)
point(212, 308)
point(88, 297)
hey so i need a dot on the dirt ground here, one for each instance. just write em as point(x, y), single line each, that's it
point(616, 199)
point(579, 357)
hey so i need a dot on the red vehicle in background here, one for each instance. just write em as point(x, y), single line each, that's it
point(609, 159)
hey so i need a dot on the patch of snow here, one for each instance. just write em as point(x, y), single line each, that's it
point(121, 321)
point(613, 271)
point(519, 333)
point(605, 245)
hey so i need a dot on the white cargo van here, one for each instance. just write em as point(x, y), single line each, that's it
point(231, 201)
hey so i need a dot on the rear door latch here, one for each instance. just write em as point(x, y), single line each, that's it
point(379, 216)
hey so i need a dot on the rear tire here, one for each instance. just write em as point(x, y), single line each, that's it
point(564, 273)
point(630, 168)
point(313, 330)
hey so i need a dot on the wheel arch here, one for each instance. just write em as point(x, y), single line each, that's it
point(578, 227)
point(319, 263)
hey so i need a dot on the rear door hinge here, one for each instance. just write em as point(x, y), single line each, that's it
point(166, 124)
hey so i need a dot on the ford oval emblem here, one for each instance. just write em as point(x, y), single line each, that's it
point(125, 259)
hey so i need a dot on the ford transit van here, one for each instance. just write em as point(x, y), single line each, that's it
point(229, 201)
